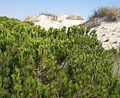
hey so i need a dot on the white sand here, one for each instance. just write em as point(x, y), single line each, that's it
point(108, 33)
point(47, 22)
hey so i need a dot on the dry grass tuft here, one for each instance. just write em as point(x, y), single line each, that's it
point(53, 17)
point(28, 18)
point(32, 19)
point(72, 17)
point(79, 18)
point(48, 14)
point(109, 13)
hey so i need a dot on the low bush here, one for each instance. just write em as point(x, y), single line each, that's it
point(72, 17)
point(110, 13)
point(37, 63)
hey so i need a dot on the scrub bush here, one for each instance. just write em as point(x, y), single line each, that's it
point(39, 63)
point(110, 13)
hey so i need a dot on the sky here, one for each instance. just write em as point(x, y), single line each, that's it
point(21, 8)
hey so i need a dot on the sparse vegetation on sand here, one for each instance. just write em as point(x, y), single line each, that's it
point(109, 13)
point(48, 14)
point(32, 19)
point(28, 18)
point(54, 17)
point(72, 17)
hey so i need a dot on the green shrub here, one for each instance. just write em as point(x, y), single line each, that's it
point(39, 63)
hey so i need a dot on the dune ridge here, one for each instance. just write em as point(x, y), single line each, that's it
point(108, 32)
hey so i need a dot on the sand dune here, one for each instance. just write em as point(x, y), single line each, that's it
point(108, 32)
point(47, 22)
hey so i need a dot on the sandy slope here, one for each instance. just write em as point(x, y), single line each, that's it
point(47, 22)
point(108, 32)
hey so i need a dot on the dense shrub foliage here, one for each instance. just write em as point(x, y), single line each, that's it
point(39, 63)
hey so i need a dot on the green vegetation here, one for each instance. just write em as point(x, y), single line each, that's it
point(54, 64)
point(110, 13)
point(74, 17)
